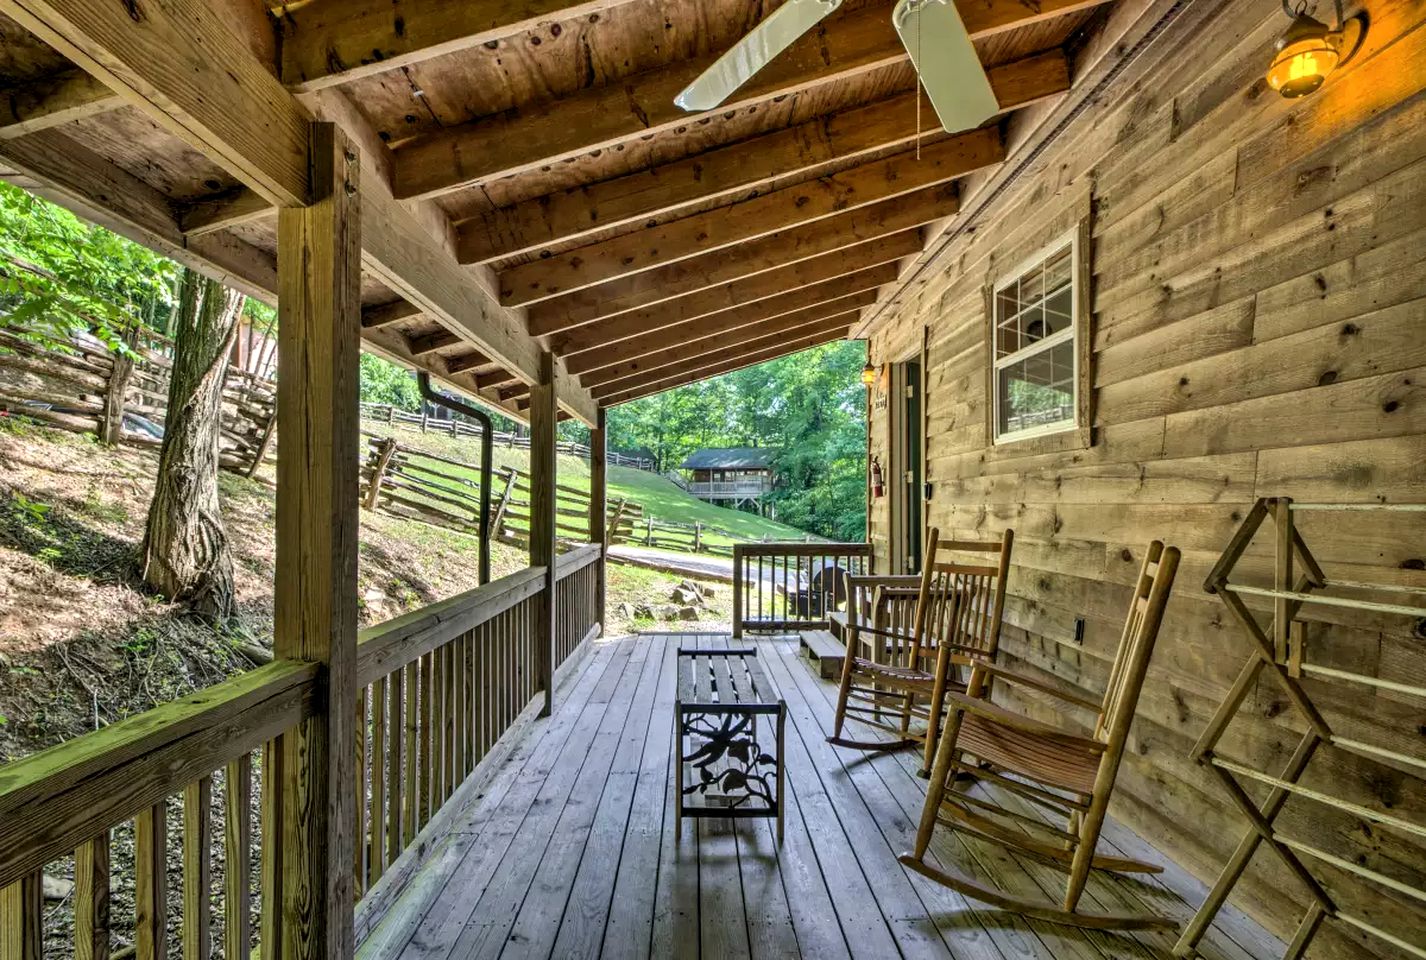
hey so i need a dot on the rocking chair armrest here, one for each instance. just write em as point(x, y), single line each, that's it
point(1020, 680)
point(1009, 718)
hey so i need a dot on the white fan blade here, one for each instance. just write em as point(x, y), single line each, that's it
point(756, 50)
point(950, 69)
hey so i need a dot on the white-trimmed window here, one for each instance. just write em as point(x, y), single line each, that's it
point(1035, 331)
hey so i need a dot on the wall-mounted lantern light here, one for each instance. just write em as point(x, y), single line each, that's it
point(868, 374)
point(1310, 50)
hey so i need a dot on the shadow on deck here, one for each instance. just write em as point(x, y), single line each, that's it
point(570, 852)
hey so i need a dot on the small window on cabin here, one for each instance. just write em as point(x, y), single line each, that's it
point(1036, 376)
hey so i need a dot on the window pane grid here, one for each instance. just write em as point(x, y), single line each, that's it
point(1034, 351)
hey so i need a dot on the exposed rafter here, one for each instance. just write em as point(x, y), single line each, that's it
point(208, 216)
point(51, 101)
point(801, 204)
point(793, 286)
point(845, 45)
point(326, 42)
point(836, 296)
point(384, 314)
point(725, 366)
point(742, 339)
point(699, 356)
point(732, 172)
point(766, 253)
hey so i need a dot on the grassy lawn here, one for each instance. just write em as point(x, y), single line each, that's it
point(660, 497)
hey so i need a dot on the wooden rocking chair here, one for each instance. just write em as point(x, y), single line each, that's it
point(908, 673)
point(1050, 767)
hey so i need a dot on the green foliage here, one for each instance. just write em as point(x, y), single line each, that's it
point(385, 382)
point(61, 275)
point(811, 406)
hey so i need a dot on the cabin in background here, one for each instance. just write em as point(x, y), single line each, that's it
point(737, 477)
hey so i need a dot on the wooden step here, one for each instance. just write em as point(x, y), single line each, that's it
point(838, 621)
point(824, 651)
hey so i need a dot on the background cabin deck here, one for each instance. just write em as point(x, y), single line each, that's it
point(570, 852)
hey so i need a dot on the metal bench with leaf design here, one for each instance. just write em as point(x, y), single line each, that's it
point(727, 765)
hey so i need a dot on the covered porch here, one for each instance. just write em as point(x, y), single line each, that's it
point(569, 850)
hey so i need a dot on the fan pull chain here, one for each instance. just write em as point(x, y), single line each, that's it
point(916, 69)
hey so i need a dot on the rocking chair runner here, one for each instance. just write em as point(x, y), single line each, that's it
point(958, 613)
point(1051, 767)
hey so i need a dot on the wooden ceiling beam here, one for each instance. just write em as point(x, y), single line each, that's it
point(51, 101)
point(726, 366)
point(843, 46)
point(484, 381)
point(766, 253)
point(736, 171)
point(384, 314)
point(749, 336)
point(710, 354)
point(209, 216)
point(803, 203)
point(467, 362)
point(797, 285)
point(820, 300)
point(327, 42)
point(431, 342)
point(181, 64)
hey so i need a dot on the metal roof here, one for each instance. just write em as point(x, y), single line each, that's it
point(730, 458)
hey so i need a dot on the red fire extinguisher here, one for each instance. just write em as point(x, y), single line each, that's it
point(878, 486)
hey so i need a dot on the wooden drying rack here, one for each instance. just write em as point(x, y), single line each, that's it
point(1279, 649)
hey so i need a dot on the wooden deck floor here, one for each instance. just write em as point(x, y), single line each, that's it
point(571, 850)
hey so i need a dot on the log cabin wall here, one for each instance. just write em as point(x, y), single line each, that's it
point(1258, 328)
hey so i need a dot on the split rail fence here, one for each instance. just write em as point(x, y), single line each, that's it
point(386, 413)
point(85, 387)
point(403, 481)
point(442, 693)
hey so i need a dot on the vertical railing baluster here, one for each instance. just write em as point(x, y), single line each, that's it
point(197, 869)
point(237, 857)
point(151, 893)
point(91, 899)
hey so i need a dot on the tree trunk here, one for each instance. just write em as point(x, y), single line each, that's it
point(186, 555)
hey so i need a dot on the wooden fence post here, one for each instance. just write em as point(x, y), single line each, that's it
point(383, 461)
point(314, 619)
point(543, 477)
point(111, 421)
point(698, 536)
point(618, 518)
point(497, 517)
point(264, 445)
point(598, 502)
point(737, 590)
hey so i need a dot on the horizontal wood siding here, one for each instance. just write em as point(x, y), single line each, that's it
point(1258, 329)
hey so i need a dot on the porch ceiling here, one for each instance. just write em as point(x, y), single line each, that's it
point(529, 183)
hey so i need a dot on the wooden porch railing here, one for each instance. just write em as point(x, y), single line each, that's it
point(440, 691)
point(792, 586)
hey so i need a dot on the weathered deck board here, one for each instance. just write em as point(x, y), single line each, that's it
point(571, 852)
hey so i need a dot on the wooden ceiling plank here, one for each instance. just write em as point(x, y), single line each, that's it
point(809, 302)
point(984, 18)
point(78, 179)
point(431, 342)
point(467, 362)
point(844, 46)
point(384, 314)
point(748, 337)
point(181, 64)
point(51, 101)
point(718, 369)
point(328, 42)
point(802, 203)
point(797, 285)
point(709, 354)
point(735, 170)
point(767, 253)
point(207, 216)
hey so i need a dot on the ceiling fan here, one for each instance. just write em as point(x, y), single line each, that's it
point(931, 30)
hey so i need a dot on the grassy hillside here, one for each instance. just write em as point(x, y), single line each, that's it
point(660, 497)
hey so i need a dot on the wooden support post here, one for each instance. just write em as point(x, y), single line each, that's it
point(598, 502)
point(111, 421)
point(738, 592)
point(383, 462)
point(21, 916)
point(319, 306)
point(543, 477)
